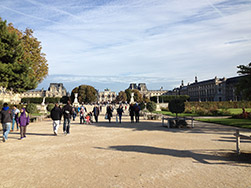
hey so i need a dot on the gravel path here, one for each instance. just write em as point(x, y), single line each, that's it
point(125, 155)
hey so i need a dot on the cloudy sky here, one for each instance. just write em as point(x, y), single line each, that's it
point(111, 43)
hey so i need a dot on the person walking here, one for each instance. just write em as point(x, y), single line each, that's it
point(131, 112)
point(137, 110)
point(23, 120)
point(120, 111)
point(56, 115)
point(109, 111)
point(6, 119)
point(67, 112)
point(96, 112)
point(15, 112)
point(82, 114)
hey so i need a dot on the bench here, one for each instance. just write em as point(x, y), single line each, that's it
point(175, 119)
point(238, 140)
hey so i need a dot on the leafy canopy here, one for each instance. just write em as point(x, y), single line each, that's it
point(86, 94)
point(244, 86)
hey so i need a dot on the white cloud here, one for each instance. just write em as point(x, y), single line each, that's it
point(152, 40)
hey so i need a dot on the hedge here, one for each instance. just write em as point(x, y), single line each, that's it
point(39, 100)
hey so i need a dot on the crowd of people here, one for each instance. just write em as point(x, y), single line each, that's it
point(11, 117)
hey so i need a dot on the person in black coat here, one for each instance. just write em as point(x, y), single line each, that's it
point(6, 119)
point(56, 115)
point(67, 113)
point(131, 112)
point(96, 112)
point(109, 111)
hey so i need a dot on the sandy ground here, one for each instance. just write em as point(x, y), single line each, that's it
point(125, 155)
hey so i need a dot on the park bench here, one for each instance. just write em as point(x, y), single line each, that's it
point(168, 119)
point(238, 140)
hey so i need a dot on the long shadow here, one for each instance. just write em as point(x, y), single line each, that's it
point(201, 156)
point(37, 134)
point(200, 127)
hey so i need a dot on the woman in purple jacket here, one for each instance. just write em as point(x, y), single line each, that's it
point(23, 121)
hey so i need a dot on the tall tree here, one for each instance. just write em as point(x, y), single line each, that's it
point(22, 65)
point(137, 95)
point(122, 97)
point(86, 94)
point(244, 86)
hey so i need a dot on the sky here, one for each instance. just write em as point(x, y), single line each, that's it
point(112, 43)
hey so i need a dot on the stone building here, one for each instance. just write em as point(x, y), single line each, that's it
point(145, 92)
point(55, 90)
point(217, 89)
point(106, 96)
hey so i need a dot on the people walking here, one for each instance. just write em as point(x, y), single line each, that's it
point(15, 112)
point(23, 120)
point(137, 110)
point(56, 115)
point(6, 119)
point(131, 112)
point(120, 111)
point(109, 111)
point(82, 114)
point(74, 113)
point(96, 112)
point(67, 112)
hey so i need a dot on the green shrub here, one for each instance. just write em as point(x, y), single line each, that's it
point(176, 106)
point(36, 100)
point(50, 107)
point(31, 108)
point(168, 98)
point(52, 100)
point(151, 106)
point(142, 105)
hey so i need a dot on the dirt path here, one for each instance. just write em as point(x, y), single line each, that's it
point(124, 155)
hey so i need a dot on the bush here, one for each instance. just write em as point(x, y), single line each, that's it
point(37, 100)
point(151, 106)
point(168, 98)
point(176, 106)
point(142, 105)
point(50, 107)
point(31, 108)
point(52, 100)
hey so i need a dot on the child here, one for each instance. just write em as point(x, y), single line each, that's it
point(87, 119)
point(23, 121)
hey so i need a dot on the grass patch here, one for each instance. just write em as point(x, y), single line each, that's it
point(236, 111)
point(242, 123)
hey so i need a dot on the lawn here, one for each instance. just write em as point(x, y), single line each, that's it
point(237, 110)
point(242, 123)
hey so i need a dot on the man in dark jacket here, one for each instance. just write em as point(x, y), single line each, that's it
point(56, 115)
point(67, 112)
point(6, 119)
point(96, 112)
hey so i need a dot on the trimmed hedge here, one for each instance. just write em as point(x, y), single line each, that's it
point(39, 100)
point(168, 98)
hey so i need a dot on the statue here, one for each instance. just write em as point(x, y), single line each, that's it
point(132, 98)
point(158, 106)
point(76, 99)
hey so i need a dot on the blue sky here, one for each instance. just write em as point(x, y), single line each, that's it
point(109, 44)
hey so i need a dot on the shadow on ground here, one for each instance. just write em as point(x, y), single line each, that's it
point(225, 157)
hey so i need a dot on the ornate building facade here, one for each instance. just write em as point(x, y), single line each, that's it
point(145, 92)
point(106, 96)
point(217, 89)
point(54, 90)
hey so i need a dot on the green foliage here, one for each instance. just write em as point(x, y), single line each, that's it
point(151, 106)
point(50, 107)
point(142, 105)
point(86, 94)
point(128, 93)
point(52, 100)
point(244, 85)
point(122, 97)
point(137, 95)
point(64, 99)
point(176, 106)
point(37, 100)
point(168, 98)
point(31, 108)
point(22, 66)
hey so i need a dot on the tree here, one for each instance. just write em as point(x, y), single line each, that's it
point(151, 106)
point(244, 85)
point(128, 93)
point(137, 96)
point(86, 94)
point(122, 97)
point(176, 106)
point(22, 64)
